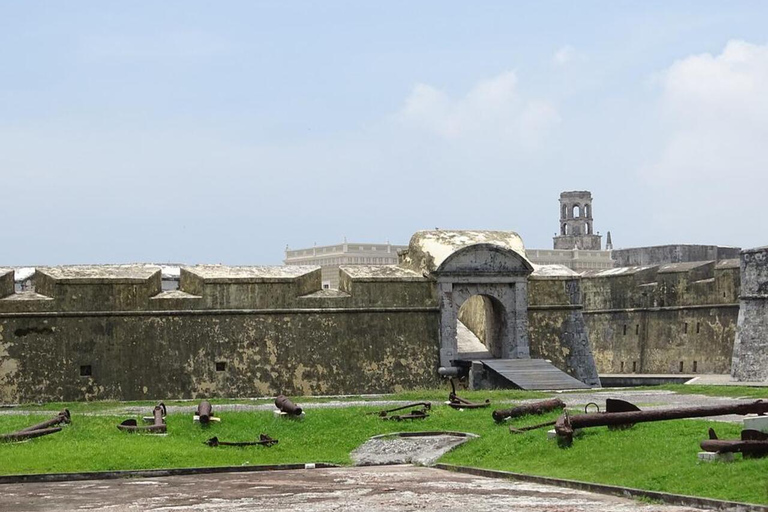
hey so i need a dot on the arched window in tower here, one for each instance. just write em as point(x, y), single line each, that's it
point(587, 209)
point(576, 211)
point(567, 229)
point(565, 212)
point(589, 228)
point(562, 229)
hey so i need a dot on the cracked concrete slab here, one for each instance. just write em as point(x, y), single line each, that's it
point(381, 488)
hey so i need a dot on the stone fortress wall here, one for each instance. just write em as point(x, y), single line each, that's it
point(663, 319)
point(109, 332)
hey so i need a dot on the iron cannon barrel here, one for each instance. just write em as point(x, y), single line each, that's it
point(624, 418)
point(733, 446)
point(284, 404)
point(524, 410)
point(204, 411)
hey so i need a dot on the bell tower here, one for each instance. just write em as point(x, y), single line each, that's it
point(576, 231)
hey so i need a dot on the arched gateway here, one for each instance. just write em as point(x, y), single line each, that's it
point(490, 264)
point(488, 271)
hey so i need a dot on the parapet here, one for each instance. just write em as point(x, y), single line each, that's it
point(754, 268)
point(99, 287)
point(669, 285)
point(257, 287)
point(386, 286)
point(6, 282)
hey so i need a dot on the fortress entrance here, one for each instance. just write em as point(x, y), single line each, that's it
point(486, 285)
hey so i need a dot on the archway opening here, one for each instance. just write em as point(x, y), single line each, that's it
point(576, 211)
point(481, 324)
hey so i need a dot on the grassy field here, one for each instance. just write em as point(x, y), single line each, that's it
point(657, 456)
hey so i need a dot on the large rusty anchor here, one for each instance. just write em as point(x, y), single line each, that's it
point(41, 429)
point(158, 419)
point(457, 402)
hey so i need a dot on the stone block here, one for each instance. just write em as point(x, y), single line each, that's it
point(715, 457)
point(756, 423)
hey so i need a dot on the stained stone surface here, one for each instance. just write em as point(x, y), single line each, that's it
point(384, 488)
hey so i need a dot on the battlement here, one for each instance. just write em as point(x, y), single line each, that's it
point(138, 287)
point(670, 285)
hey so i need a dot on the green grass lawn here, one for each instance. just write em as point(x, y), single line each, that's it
point(729, 391)
point(656, 456)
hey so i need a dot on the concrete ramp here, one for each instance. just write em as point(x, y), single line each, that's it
point(532, 374)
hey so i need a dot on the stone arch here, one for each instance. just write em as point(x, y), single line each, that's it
point(497, 274)
point(576, 211)
point(587, 210)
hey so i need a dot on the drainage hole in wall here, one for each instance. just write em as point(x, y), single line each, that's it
point(221, 366)
point(86, 370)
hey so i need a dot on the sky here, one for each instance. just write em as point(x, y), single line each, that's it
point(222, 132)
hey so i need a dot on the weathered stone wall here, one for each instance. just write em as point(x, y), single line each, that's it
point(474, 314)
point(677, 318)
point(679, 253)
point(556, 326)
point(219, 335)
point(750, 351)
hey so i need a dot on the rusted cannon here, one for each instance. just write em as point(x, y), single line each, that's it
point(285, 405)
point(41, 429)
point(158, 426)
point(264, 440)
point(553, 404)
point(753, 444)
point(456, 402)
point(204, 412)
point(566, 424)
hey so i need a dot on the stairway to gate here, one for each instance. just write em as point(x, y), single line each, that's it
point(533, 374)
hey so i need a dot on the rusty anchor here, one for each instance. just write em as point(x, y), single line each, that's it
point(41, 429)
point(264, 440)
point(457, 402)
point(415, 414)
point(566, 424)
point(525, 410)
point(285, 405)
point(753, 444)
point(158, 419)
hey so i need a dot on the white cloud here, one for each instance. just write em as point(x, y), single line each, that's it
point(492, 109)
point(714, 117)
point(716, 108)
point(566, 55)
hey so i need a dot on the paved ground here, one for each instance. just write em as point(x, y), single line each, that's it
point(390, 488)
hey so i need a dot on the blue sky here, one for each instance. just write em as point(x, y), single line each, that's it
point(220, 132)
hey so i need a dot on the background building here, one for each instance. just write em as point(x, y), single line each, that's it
point(330, 257)
point(577, 246)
